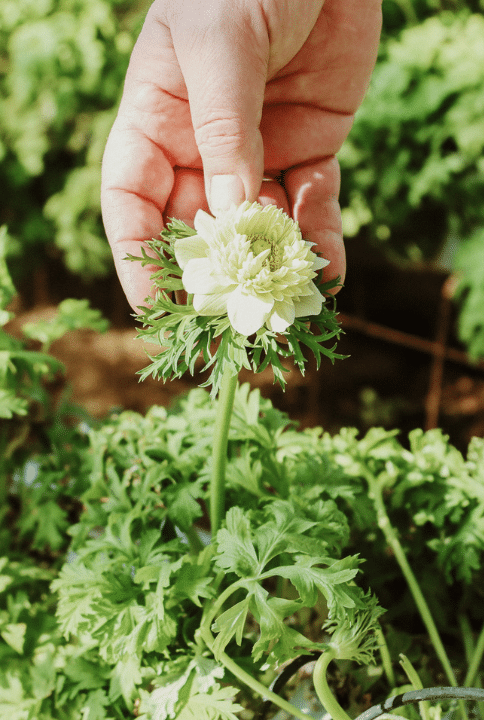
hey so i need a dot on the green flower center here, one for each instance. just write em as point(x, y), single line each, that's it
point(260, 243)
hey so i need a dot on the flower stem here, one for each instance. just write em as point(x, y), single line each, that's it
point(219, 453)
point(385, 657)
point(196, 545)
point(475, 661)
point(391, 537)
point(251, 682)
point(328, 700)
point(413, 676)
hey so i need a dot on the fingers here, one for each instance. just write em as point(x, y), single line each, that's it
point(312, 191)
point(187, 197)
point(136, 183)
point(223, 51)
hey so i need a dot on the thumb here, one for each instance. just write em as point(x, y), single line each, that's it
point(222, 48)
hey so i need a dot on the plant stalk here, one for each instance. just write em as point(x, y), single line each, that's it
point(475, 661)
point(251, 682)
point(328, 700)
point(219, 452)
point(385, 657)
point(411, 673)
point(471, 657)
point(391, 537)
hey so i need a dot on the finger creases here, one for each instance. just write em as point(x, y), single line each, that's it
point(312, 191)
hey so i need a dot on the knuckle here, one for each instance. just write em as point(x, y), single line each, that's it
point(218, 136)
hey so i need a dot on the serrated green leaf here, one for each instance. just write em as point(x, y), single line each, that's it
point(14, 635)
point(94, 707)
point(230, 624)
point(217, 704)
point(236, 551)
point(308, 579)
point(11, 404)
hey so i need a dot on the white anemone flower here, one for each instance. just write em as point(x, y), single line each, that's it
point(252, 264)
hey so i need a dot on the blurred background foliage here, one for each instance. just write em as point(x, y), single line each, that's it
point(62, 66)
point(412, 168)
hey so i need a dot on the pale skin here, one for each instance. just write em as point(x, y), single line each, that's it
point(241, 89)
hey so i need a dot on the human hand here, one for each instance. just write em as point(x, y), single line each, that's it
point(221, 93)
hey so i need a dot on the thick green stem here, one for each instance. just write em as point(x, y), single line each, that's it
point(328, 700)
point(390, 536)
point(219, 453)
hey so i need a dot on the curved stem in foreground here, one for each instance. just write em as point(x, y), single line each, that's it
point(328, 700)
point(219, 452)
point(251, 682)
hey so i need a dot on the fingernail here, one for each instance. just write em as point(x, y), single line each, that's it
point(225, 190)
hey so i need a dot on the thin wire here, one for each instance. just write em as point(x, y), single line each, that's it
point(283, 678)
point(414, 696)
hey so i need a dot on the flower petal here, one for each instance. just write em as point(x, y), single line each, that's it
point(205, 225)
point(319, 262)
point(215, 304)
point(281, 317)
point(247, 313)
point(189, 248)
point(198, 277)
point(309, 304)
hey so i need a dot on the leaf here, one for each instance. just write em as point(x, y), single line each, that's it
point(217, 704)
point(72, 314)
point(7, 289)
point(193, 693)
point(192, 583)
point(14, 635)
point(94, 707)
point(125, 677)
point(182, 505)
point(15, 703)
point(236, 551)
point(277, 637)
point(230, 624)
point(308, 579)
point(48, 523)
point(84, 674)
point(469, 295)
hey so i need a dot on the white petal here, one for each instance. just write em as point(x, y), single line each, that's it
point(198, 278)
point(211, 304)
point(247, 313)
point(319, 263)
point(189, 248)
point(205, 225)
point(281, 317)
point(309, 304)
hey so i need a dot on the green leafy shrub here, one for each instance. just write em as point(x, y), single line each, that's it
point(469, 264)
point(63, 67)
point(136, 581)
point(115, 601)
point(413, 164)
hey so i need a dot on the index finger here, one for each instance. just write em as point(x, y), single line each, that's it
point(137, 180)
